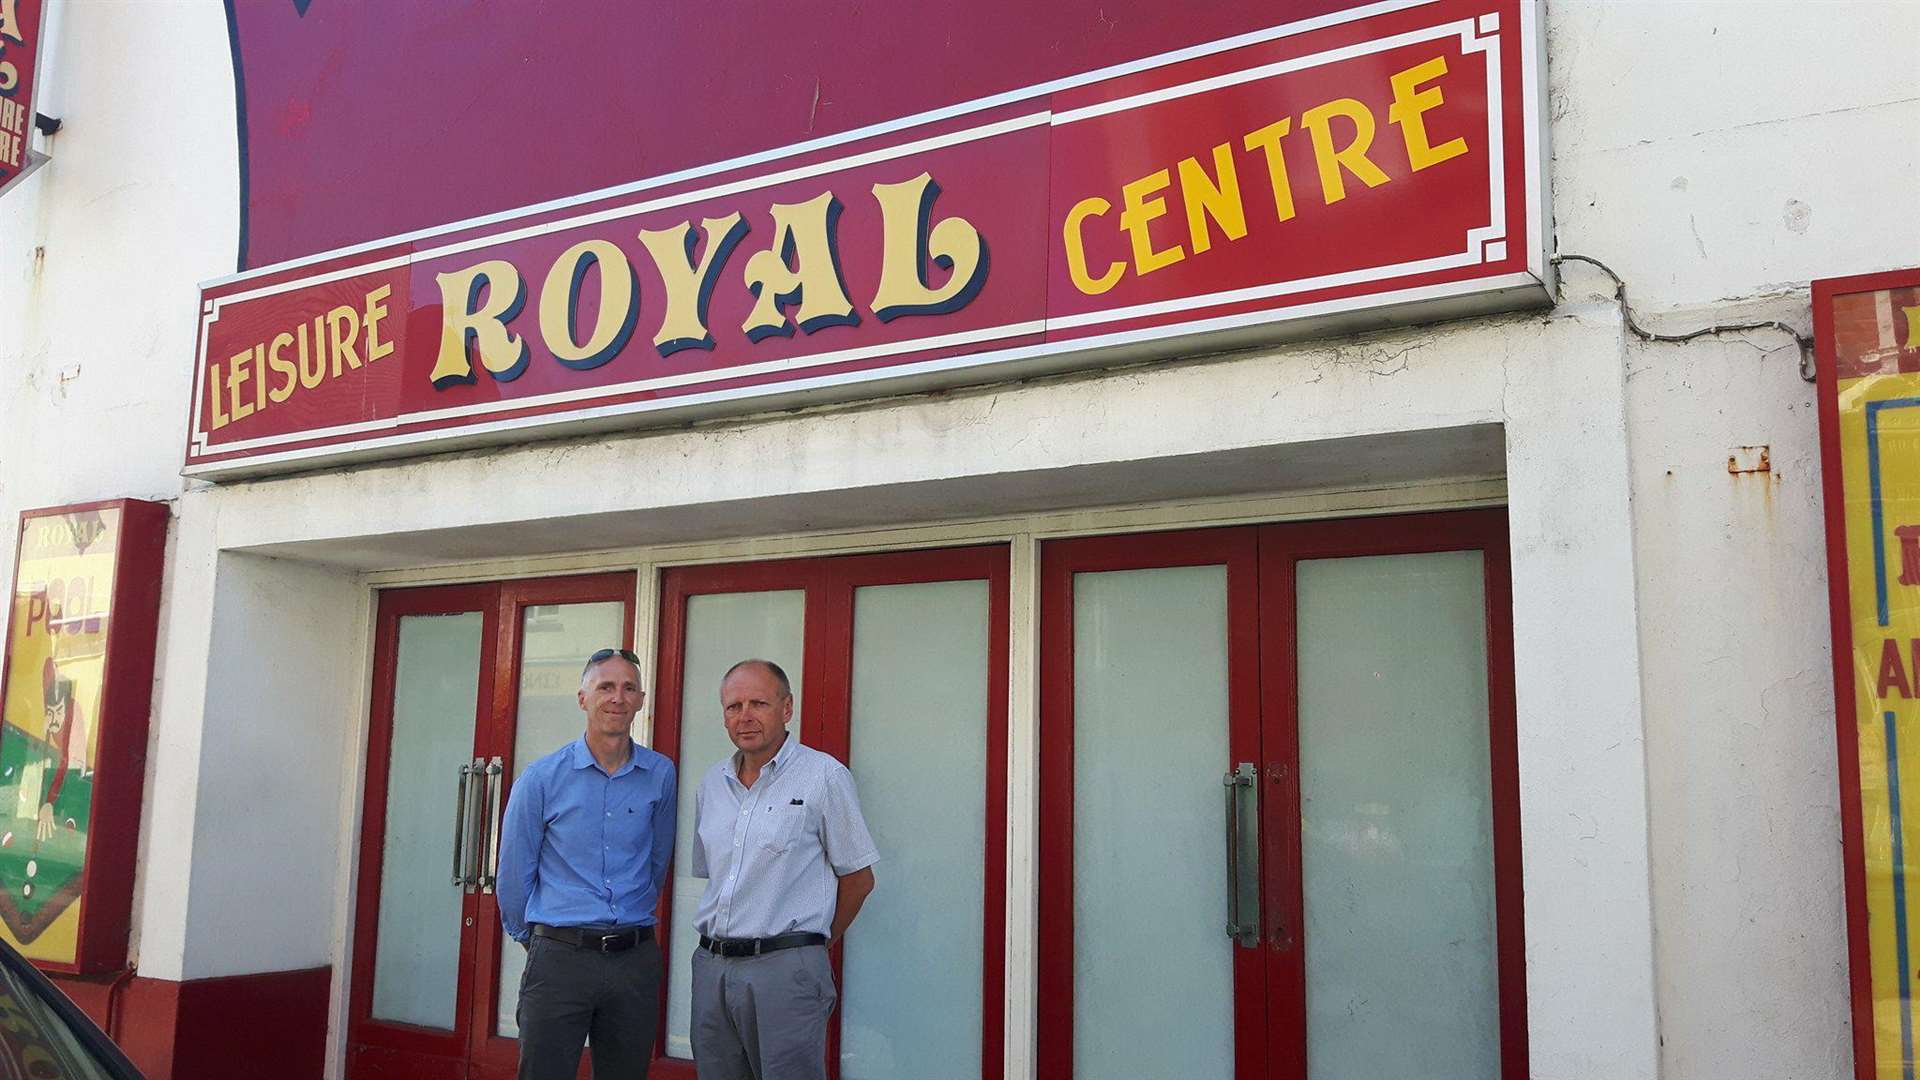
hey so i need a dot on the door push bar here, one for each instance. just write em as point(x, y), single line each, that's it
point(462, 798)
point(491, 874)
point(1243, 856)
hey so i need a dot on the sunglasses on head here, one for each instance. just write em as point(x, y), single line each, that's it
point(608, 654)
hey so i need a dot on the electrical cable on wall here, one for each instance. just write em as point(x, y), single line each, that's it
point(1804, 343)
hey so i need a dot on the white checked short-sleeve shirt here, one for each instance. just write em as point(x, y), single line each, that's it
point(773, 854)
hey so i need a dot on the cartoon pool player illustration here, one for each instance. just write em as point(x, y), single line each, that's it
point(57, 693)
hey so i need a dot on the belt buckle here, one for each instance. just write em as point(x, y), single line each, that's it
point(607, 940)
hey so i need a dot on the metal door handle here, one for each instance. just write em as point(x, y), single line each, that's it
point(1243, 858)
point(492, 811)
point(470, 838)
point(460, 826)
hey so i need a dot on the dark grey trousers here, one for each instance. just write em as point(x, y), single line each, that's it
point(762, 1017)
point(568, 994)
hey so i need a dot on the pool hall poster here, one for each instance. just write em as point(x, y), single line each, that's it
point(79, 666)
point(1867, 333)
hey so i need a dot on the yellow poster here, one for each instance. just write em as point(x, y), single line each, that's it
point(50, 737)
point(1875, 357)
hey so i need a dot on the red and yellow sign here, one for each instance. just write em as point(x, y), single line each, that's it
point(1868, 332)
point(20, 29)
point(1383, 161)
point(73, 614)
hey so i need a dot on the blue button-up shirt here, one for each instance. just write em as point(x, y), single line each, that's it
point(582, 848)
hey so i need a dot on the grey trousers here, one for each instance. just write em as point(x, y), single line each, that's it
point(762, 1017)
point(569, 993)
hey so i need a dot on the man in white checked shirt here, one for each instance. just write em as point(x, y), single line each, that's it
point(788, 861)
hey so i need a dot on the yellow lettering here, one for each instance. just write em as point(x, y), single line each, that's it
point(312, 349)
point(259, 377)
point(290, 374)
point(213, 395)
point(906, 209)
point(1139, 210)
point(1352, 157)
point(464, 317)
point(1094, 206)
point(1410, 103)
point(1913, 326)
point(238, 372)
point(689, 285)
point(1206, 197)
point(343, 331)
point(807, 231)
point(560, 304)
point(371, 314)
point(1267, 141)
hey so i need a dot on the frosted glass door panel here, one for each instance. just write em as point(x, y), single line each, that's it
point(416, 965)
point(722, 629)
point(1395, 818)
point(1153, 984)
point(911, 976)
point(555, 641)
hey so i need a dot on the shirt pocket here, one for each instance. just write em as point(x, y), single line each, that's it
point(786, 827)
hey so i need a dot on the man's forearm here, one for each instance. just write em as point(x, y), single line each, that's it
point(853, 891)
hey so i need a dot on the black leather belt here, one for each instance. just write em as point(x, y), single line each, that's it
point(753, 946)
point(597, 940)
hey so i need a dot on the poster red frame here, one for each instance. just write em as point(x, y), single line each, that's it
point(1840, 612)
point(126, 699)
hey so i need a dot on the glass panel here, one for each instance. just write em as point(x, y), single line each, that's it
point(555, 639)
point(722, 629)
point(1396, 827)
point(919, 734)
point(1153, 992)
point(416, 965)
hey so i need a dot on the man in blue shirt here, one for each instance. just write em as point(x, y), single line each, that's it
point(583, 853)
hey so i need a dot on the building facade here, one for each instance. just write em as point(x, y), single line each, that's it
point(1440, 693)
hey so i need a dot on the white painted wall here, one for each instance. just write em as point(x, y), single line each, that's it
point(1678, 777)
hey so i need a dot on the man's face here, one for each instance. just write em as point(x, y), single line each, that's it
point(610, 695)
point(755, 710)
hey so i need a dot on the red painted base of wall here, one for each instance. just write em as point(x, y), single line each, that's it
point(240, 1026)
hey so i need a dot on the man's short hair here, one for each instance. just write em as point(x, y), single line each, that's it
point(604, 655)
point(773, 669)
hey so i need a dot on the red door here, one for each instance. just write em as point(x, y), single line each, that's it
point(471, 682)
point(1278, 808)
point(899, 663)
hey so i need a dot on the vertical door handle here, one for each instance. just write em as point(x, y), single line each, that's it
point(1243, 855)
point(491, 872)
point(470, 838)
point(460, 827)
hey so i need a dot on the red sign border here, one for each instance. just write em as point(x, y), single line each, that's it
point(29, 99)
point(1840, 610)
point(622, 407)
point(126, 699)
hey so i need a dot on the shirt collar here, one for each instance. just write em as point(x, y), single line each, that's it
point(582, 758)
point(781, 759)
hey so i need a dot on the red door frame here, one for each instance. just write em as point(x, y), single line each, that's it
point(495, 1058)
point(378, 1049)
point(827, 661)
point(1060, 560)
point(383, 1049)
point(1274, 1002)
